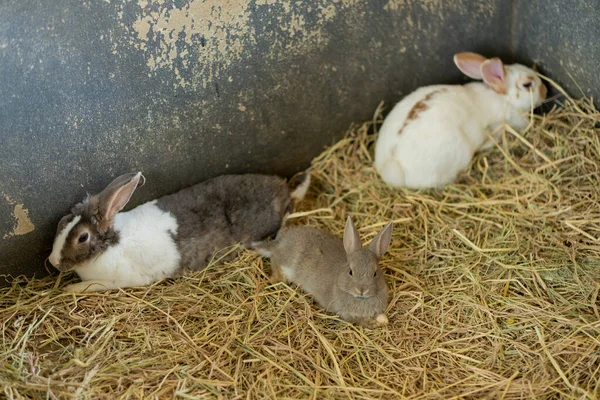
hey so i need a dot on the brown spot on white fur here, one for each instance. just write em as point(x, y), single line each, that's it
point(418, 108)
point(543, 91)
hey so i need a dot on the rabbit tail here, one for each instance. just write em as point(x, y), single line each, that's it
point(392, 173)
point(299, 186)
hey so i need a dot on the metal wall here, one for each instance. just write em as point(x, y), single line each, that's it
point(185, 90)
point(563, 39)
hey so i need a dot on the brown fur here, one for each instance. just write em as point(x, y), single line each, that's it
point(74, 253)
point(418, 108)
point(543, 91)
point(342, 276)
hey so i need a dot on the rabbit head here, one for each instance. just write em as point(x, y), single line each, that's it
point(87, 230)
point(363, 277)
point(521, 85)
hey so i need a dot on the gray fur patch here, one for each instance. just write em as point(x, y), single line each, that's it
point(223, 211)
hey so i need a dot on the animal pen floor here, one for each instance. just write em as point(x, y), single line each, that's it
point(493, 282)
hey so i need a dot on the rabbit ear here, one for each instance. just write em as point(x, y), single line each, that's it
point(381, 242)
point(470, 64)
point(116, 195)
point(351, 238)
point(494, 75)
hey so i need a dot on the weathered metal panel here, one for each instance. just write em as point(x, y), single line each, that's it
point(563, 39)
point(189, 89)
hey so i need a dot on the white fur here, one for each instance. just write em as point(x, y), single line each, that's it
point(261, 250)
point(300, 191)
point(433, 148)
point(59, 242)
point(146, 252)
point(289, 273)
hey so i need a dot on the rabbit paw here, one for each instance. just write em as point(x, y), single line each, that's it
point(372, 323)
point(381, 320)
point(276, 275)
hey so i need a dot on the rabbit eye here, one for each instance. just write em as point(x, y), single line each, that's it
point(83, 237)
point(350, 272)
point(527, 85)
point(375, 274)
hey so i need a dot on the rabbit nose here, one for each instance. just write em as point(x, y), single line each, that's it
point(54, 261)
point(363, 292)
point(58, 265)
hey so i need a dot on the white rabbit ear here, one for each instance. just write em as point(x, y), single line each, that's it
point(382, 241)
point(116, 196)
point(494, 75)
point(351, 238)
point(470, 64)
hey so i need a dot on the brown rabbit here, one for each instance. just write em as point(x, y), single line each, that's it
point(342, 276)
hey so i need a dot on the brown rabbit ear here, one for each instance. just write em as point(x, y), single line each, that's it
point(116, 195)
point(351, 238)
point(470, 64)
point(382, 241)
point(494, 75)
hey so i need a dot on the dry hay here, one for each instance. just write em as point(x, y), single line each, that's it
point(494, 294)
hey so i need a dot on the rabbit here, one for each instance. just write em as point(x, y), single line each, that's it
point(342, 276)
point(110, 249)
point(432, 134)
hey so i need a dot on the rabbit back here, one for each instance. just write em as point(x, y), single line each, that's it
point(309, 258)
point(428, 138)
point(226, 210)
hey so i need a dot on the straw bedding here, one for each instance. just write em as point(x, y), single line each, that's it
point(494, 294)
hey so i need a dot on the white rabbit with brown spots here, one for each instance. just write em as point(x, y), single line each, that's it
point(431, 135)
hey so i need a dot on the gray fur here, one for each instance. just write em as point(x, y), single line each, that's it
point(211, 216)
point(226, 210)
point(320, 263)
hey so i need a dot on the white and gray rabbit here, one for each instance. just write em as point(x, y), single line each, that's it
point(432, 134)
point(110, 249)
point(342, 276)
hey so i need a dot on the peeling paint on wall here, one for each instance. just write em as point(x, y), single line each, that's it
point(300, 25)
point(23, 224)
point(198, 41)
point(216, 29)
